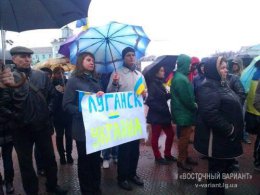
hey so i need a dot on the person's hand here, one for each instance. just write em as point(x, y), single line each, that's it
point(144, 93)
point(99, 93)
point(142, 142)
point(6, 78)
point(116, 78)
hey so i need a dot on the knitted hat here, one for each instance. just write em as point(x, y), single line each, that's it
point(126, 50)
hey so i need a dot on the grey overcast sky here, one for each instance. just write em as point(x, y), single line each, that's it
point(194, 27)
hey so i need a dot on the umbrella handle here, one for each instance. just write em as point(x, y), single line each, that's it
point(112, 56)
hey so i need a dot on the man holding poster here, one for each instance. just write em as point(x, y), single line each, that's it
point(128, 79)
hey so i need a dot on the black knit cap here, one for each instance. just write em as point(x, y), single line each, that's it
point(126, 50)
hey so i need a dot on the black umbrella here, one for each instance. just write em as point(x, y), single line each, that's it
point(22, 15)
point(166, 61)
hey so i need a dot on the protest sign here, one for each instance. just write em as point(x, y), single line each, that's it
point(112, 119)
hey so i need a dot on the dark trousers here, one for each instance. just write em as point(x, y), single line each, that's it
point(38, 159)
point(128, 155)
point(7, 150)
point(216, 166)
point(1, 185)
point(89, 170)
point(113, 151)
point(257, 150)
point(24, 139)
point(156, 132)
point(61, 129)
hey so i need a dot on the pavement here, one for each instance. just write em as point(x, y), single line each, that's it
point(158, 179)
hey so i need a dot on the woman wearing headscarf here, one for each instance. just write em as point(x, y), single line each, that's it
point(84, 79)
point(219, 123)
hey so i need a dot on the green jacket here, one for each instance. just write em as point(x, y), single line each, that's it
point(183, 107)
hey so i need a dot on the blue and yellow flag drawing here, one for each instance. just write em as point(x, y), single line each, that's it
point(81, 95)
point(83, 22)
point(139, 86)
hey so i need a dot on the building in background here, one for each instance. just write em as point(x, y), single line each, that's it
point(8, 58)
point(65, 33)
point(41, 54)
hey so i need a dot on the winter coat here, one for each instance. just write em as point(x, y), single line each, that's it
point(59, 115)
point(197, 81)
point(183, 107)
point(5, 115)
point(219, 124)
point(28, 107)
point(70, 101)
point(37, 108)
point(158, 112)
point(235, 84)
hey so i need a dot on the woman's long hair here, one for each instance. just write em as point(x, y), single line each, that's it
point(80, 70)
point(152, 76)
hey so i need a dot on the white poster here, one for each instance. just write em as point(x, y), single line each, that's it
point(112, 119)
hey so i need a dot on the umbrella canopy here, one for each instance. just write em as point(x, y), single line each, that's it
point(107, 42)
point(22, 15)
point(252, 51)
point(65, 46)
point(53, 63)
point(166, 61)
point(248, 73)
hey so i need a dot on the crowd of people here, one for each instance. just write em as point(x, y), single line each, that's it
point(205, 99)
